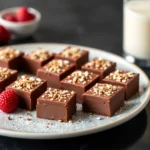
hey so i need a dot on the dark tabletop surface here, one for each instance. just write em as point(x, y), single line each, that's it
point(94, 23)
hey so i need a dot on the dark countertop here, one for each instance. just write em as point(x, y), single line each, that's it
point(94, 23)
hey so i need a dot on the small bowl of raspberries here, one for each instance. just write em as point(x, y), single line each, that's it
point(20, 21)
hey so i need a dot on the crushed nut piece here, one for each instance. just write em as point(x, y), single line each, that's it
point(8, 53)
point(70, 121)
point(59, 120)
point(29, 114)
point(49, 123)
point(40, 54)
point(26, 83)
point(29, 119)
point(9, 118)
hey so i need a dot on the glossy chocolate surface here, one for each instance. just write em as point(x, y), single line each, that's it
point(56, 104)
point(75, 55)
point(129, 80)
point(36, 59)
point(28, 89)
point(7, 76)
point(100, 66)
point(103, 99)
point(11, 58)
point(55, 71)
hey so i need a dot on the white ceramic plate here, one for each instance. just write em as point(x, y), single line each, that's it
point(26, 125)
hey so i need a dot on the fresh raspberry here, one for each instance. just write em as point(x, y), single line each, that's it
point(23, 14)
point(8, 101)
point(31, 16)
point(11, 18)
point(4, 35)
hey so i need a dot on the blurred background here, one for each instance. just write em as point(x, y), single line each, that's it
point(95, 23)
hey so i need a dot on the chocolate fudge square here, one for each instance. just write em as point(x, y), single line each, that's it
point(7, 76)
point(56, 104)
point(103, 99)
point(10, 58)
point(75, 55)
point(129, 80)
point(80, 82)
point(55, 71)
point(28, 89)
point(100, 66)
point(36, 59)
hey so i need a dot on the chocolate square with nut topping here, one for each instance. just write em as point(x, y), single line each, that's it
point(36, 59)
point(56, 104)
point(7, 76)
point(75, 55)
point(10, 58)
point(80, 82)
point(28, 90)
point(103, 99)
point(129, 80)
point(100, 66)
point(55, 71)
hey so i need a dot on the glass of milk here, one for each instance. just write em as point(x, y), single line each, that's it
point(136, 31)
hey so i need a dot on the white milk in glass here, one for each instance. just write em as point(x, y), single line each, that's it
point(136, 30)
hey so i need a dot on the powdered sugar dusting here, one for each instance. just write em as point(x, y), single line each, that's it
point(26, 121)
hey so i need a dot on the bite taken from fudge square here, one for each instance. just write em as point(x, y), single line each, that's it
point(79, 81)
point(100, 66)
point(28, 89)
point(36, 59)
point(11, 58)
point(103, 99)
point(75, 55)
point(56, 104)
point(55, 71)
point(7, 76)
point(129, 80)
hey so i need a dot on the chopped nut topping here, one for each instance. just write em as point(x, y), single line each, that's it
point(120, 76)
point(98, 63)
point(70, 121)
point(29, 114)
point(73, 52)
point(8, 53)
point(27, 83)
point(40, 54)
point(9, 118)
point(29, 119)
point(104, 89)
point(57, 66)
point(5, 73)
point(58, 95)
point(80, 77)
point(59, 120)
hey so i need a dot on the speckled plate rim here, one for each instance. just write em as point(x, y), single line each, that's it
point(32, 135)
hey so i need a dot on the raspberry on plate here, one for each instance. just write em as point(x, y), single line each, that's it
point(8, 101)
